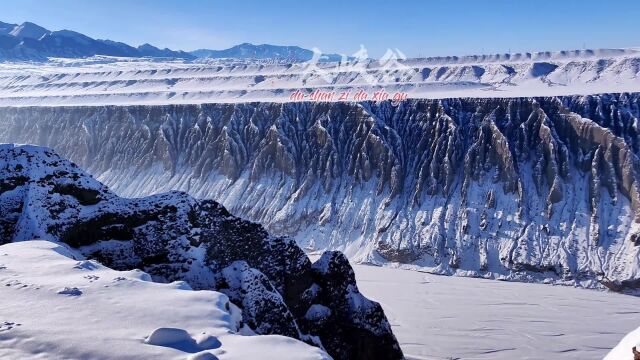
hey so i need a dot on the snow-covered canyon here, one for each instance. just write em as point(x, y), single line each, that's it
point(521, 167)
point(528, 189)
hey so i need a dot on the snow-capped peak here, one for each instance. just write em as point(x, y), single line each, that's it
point(6, 28)
point(29, 30)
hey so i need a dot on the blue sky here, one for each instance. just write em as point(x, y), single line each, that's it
point(416, 27)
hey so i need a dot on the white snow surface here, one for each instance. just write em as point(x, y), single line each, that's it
point(104, 80)
point(56, 305)
point(623, 351)
point(443, 317)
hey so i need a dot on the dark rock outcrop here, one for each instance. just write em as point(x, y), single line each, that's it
point(332, 303)
point(172, 236)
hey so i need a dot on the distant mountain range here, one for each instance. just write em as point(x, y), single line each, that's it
point(31, 42)
point(264, 51)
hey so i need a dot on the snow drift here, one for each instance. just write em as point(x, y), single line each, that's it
point(118, 314)
point(627, 349)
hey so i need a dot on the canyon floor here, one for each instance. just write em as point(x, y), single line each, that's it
point(441, 317)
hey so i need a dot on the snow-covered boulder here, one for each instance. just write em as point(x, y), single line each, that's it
point(119, 314)
point(174, 237)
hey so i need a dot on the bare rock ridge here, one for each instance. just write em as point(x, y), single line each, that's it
point(173, 237)
point(528, 189)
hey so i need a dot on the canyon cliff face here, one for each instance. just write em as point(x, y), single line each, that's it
point(529, 189)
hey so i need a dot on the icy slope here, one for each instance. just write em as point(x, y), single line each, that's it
point(120, 81)
point(57, 305)
point(174, 237)
point(542, 189)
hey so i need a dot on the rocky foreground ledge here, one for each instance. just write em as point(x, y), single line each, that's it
point(57, 305)
point(173, 237)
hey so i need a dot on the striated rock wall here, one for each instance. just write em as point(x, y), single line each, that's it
point(530, 189)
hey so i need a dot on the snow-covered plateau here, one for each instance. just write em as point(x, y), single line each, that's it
point(104, 80)
point(58, 305)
